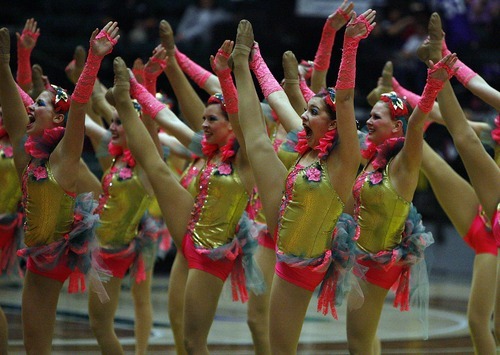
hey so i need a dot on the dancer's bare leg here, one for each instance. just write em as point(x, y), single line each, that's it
point(39, 305)
point(4, 333)
point(175, 296)
point(143, 311)
point(258, 305)
point(102, 317)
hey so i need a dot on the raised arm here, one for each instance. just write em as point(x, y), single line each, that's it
point(221, 68)
point(273, 92)
point(333, 23)
point(158, 111)
point(26, 41)
point(70, 148)
point(14, 113)
point(357, 29)
point(408, 161)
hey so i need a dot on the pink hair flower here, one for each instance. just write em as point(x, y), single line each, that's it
point(225, 169)
point(40, 173)
point(8, 152)
point(313, 174)
point(376, 178)
point(125, 173)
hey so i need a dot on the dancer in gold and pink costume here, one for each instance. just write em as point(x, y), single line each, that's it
point(58, 227)
point(389, 235)
point(302, 206)
point(213, 241)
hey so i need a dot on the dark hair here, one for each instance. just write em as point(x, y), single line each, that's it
point(328, 96)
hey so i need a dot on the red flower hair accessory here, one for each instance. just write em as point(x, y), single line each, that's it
point(217, 98)
point(61, 99)
point(396, 105)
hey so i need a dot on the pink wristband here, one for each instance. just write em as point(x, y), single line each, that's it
point(411, 97)
point(324, 52)
point(197, 73)
point(228, 91)
point(150, 105)
point(433, 87)
point(268, 84)
point(151, 77)
point(347, 71)
point(306, 91)
point(27, 100)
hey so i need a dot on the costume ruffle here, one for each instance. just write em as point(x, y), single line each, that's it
point(246, 274)
point(142, 249)
point(77, 246)
point(336, 283)
point(412, 286)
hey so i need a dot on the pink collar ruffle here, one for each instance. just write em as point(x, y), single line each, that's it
point(381, 154)
point(325, 146)
point(40, 147)
point(116, 151)
point(228, 151)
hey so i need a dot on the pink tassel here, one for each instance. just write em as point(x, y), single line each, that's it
point(76, 282)
point(238, 282)
point(141, 271)
point(402, 298)
point(326, 299)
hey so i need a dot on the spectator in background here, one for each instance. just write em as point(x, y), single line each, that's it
point(196, 25)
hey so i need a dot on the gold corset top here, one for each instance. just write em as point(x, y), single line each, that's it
point(49, 209)
point(121, 208)
point(310, 210)
point(10, 189)
point(222, 201)
point(380, 213)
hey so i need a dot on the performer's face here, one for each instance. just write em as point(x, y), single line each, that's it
point(216, 126)
point(118, 136)
point(380, 124)
point(316, 121)
point(41, 115)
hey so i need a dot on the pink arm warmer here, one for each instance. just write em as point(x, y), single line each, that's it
point(268, 84)
point(197, 73)
point(324, 52)
point(23, 59)
point(464, 73)
point(150, 105)
point(228, 91)
point(306, 91)
point(27, 100)
point(151, 77)
point(85, 83)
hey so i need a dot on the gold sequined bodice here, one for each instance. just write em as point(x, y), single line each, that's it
point(10, 189)
point(121, 207)
point(379, 211)
point(48, 208)
point(222, 200)
point(310, 210)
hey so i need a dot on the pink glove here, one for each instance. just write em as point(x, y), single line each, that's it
point(150, 105)
point(347, 70)
point(85, 83)
point(433, 87)
point(306, 91)
point(197, 73)
point(23, 76)
point(324, 52)
point(268, 84)
point(227, 85)
point(150, 77)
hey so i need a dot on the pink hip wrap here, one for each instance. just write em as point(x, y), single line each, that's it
point(115, 263)
point(219, 268)
point(480, 238)
point(59, 273)
point(377, 275)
